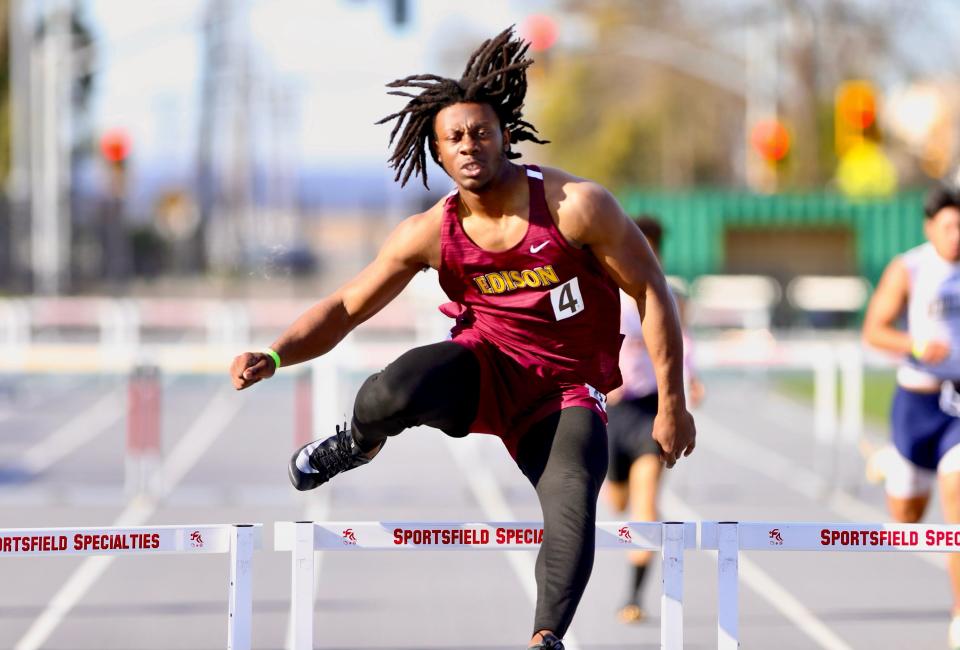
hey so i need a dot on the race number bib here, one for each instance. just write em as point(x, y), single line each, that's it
point(598, 396)
point(566, 299)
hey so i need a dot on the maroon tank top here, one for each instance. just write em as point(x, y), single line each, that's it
point(545, 303)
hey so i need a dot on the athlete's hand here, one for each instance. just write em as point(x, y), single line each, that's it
point(676, 433)
point(249, 368)
point(932, 352)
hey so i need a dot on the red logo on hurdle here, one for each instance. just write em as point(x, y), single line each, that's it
point(196, 541)
point(349, 537)
point(775, 538)
point(624, 534)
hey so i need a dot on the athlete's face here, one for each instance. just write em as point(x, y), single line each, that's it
point(470, 144)
point(943, 231)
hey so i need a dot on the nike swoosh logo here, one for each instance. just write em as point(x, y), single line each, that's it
point(538, 247)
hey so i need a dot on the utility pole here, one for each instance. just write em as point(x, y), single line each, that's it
point(239, 176)
point(214, 51)
point(18, 182)
point(51, 74)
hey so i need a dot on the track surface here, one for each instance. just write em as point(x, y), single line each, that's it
point(754, 461)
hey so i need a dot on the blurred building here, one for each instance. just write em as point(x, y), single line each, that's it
point(781, 237)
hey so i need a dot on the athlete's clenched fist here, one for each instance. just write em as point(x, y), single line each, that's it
point(249, 368)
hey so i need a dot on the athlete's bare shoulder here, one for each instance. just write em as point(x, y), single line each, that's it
point(561, 186)
point(417, 238)
point(579, 206)
point(898, 263)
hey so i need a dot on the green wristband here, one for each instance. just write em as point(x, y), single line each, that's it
point(270, 352)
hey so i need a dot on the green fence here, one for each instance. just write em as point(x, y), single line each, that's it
point(695, 223)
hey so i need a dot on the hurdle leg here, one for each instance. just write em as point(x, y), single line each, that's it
point(825, 419)
point(671, 599)
point(728, 549)
point(143, 429)
point(303, 429)
point(240, 610)
point(851, 414)
point(302, 592)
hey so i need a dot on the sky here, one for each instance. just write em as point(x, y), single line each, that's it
point(327, 60)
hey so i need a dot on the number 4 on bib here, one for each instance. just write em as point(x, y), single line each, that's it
point(566, 299)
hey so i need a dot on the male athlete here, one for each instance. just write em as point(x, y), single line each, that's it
point(633, 476)
point(530, 259)
point(924, 282)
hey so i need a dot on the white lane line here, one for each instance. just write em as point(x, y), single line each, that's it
point(74, 433)
point(764, 585)
point(202, 433)
point(75, 587)
point(318, 509)
point(492, 501)
point(722, 441)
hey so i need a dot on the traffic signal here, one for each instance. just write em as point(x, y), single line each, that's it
point(115, 146)
point(540, 30)
point(855, 115)
point(771, 140)
point(115, 149)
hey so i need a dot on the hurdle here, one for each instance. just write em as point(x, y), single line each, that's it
point(304, 538)
point(239, 540)
point(728, 538)
point(144, 411)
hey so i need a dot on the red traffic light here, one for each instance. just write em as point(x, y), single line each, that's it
point(770, 139)
point(540, 30)
point(115, 145)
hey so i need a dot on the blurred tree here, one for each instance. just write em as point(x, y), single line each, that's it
point(658, 92)
point(826, 42)
point(622, 122)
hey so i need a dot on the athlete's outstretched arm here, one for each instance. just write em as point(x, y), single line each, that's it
point(597, 220)
point(887, 304)
point(410, 248)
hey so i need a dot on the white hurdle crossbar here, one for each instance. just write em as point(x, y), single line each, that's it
point(728, 538)
point(304, 538)
point(239, 540)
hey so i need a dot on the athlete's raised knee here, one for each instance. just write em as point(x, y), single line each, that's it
point(381, 397)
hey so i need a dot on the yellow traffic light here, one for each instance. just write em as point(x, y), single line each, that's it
point(866, 171)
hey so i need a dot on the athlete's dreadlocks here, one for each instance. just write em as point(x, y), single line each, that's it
point(496, 74)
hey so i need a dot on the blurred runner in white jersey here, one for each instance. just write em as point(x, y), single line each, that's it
point(924, 285)
point(633, 475)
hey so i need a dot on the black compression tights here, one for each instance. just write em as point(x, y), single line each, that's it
point(564, 456)
point(436, 385)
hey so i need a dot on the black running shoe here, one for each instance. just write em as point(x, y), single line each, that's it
point(549, 642)
point(317, 462)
